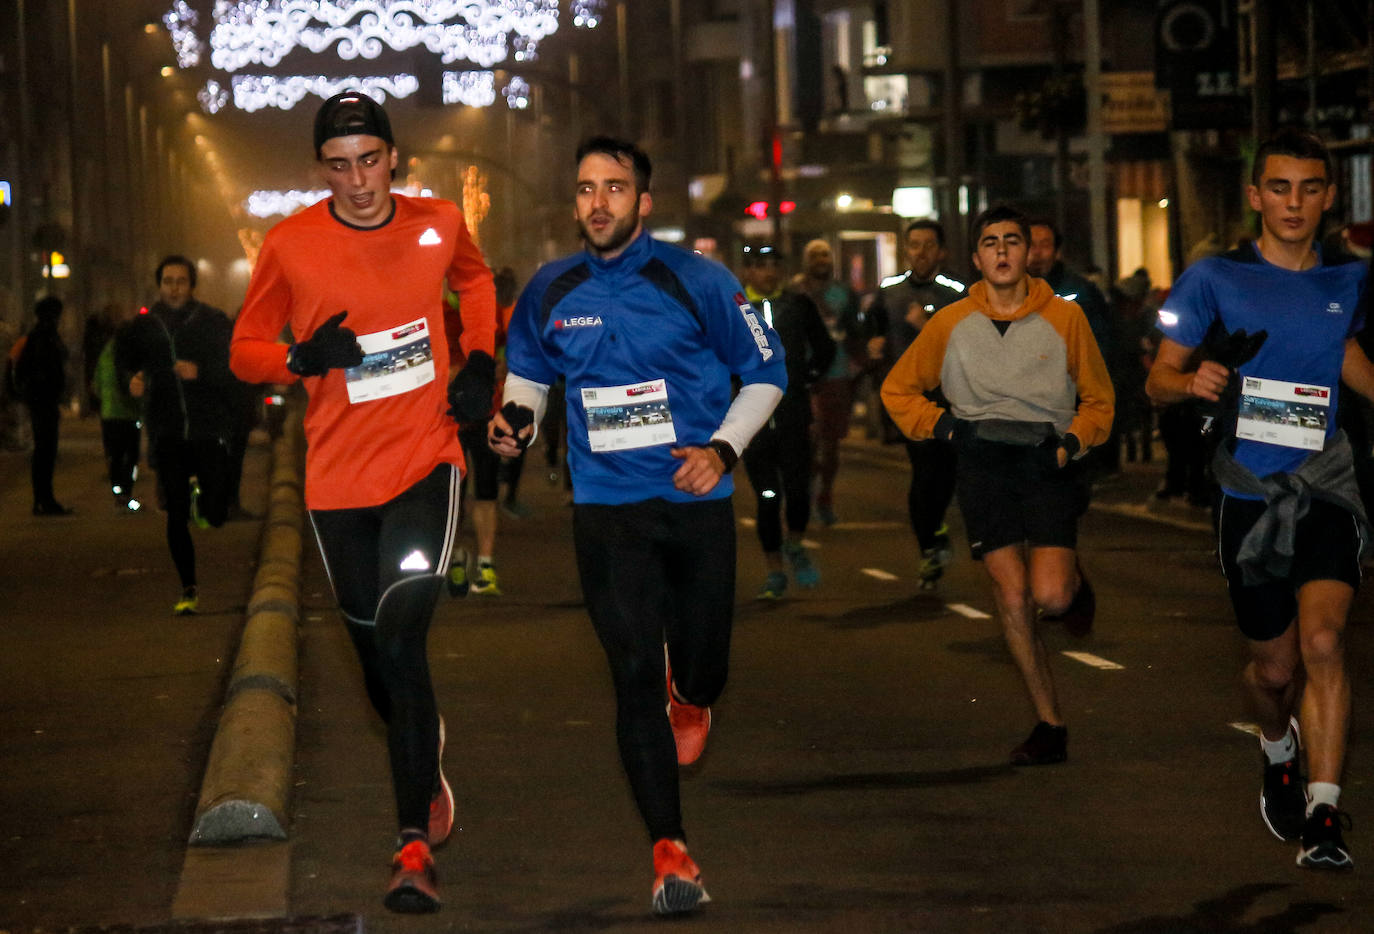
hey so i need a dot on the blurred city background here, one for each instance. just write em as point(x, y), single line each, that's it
point(133, 128)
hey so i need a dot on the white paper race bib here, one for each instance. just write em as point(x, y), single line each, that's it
point(394, 362)
point(620, 418)
point(1292, 415)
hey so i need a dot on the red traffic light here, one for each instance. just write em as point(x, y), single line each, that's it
point(758, 209)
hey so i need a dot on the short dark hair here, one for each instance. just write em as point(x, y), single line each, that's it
point(996, 215)
point(621, 150)
point(927, 223)
point(1294, 142)
point(1042, 221)
point(175, 259)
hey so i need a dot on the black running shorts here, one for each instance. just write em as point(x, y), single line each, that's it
point(1010, 494)
point(1327, 547)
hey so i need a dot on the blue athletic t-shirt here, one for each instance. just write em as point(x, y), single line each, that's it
point(1309, 316)
point(648, 342)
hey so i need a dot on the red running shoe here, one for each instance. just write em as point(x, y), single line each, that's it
point(677, 882)
point(414, 886)
point(441, 805)
point(690, 724)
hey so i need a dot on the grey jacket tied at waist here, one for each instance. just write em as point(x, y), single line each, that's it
point(1266, 552)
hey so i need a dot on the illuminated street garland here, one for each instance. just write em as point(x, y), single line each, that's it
point(517, 93)
point(213, 97)
point(473, 88)
point(181, 22)
point(272, 203)
point(587, 13)
point(254, 92)
point(263, 32)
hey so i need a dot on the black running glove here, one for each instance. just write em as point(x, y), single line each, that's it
point(1233, 351)
point(519, 417)
point(949, 427)
point(330, 348)
point(469, 395)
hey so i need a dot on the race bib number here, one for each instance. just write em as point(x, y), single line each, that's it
point(1292, 415)
point(394, 362)
point(621, 418)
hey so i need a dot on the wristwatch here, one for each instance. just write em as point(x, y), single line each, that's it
point(725, 452)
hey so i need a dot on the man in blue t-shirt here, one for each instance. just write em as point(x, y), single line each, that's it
point(648, 337)
point(1291, 528)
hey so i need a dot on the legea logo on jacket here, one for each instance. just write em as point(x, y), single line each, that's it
point(756, 329)
point(577, 321)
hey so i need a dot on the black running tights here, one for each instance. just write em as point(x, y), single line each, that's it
point(778, 460)
point(386, 565)
point(655, 572)
point(932, 487)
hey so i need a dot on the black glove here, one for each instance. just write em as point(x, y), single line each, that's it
point(949, 427)
point(329, 348)
point(1233, 351)
point(519, 417)
point(469, 395)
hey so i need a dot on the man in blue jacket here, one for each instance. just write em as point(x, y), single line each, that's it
point(647, 336)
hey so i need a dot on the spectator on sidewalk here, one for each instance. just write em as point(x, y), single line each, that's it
point(40, 376)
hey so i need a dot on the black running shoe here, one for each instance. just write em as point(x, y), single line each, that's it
point(1322, 844)
point(1046, 745)
point(1283, 796)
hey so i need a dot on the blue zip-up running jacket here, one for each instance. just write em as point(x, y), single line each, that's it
point(656, 323)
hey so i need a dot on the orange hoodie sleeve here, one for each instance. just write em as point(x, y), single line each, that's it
point(1096, 398)
point(918, 371)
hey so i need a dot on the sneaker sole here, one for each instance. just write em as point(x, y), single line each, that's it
point(677, 896)
point(1326, 858)
point(410, 901)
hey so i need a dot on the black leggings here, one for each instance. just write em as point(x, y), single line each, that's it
point(178, 461)
point(44, 419)
point(120, 438)
point(932, 487)
point(655, 572)
point(778, 461)
point(386, 565)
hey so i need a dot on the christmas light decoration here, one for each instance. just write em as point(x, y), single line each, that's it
point(263, 32)
point(254, 92)
point(212, 97)
point(272, 203)
point(181, 22)
point(517, 93)
point(587, 14)
point(472, 88)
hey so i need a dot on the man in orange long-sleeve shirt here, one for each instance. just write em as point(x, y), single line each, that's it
point(1028, 395)
point(357, 279)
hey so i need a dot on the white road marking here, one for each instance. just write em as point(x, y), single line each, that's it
point(810, 543)
point(963, 609)
point(1095, 661)
point(879, 573)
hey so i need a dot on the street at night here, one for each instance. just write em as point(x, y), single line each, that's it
point(856, 777)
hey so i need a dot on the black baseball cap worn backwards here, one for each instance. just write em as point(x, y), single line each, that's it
point(351, 113)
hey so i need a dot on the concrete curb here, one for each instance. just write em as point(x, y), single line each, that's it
point(246, 789)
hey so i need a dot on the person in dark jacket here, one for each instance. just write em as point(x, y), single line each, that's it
point(40, 377)
point(176, 358)
point(779, 457)
point(901, 307)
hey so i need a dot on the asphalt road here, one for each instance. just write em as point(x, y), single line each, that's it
point(855, 781)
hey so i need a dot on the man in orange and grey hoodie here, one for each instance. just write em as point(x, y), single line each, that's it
point(1029, 395)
